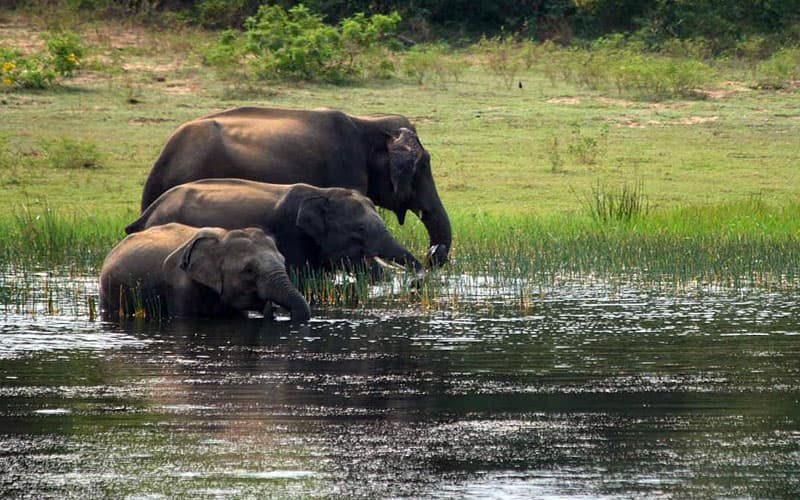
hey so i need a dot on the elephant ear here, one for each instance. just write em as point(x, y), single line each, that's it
point(405, 153)
point(200, 261)
point(312, 217)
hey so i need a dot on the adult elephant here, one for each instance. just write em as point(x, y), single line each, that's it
point(379, 156)
point(317, 228)
point(178, 270)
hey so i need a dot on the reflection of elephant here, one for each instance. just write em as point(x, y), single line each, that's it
point(379, 156)
point(177, 270)
point(314, 227)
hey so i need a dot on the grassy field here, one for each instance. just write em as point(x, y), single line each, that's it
point(517, 168)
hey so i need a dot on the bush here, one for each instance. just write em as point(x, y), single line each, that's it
point(21, 72)
point(297, 44)
point(503, 57)
point(781, 69)
point(433, 63)
point(39, 71)
point(66, 51)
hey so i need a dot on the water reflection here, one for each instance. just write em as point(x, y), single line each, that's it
point(587, 391)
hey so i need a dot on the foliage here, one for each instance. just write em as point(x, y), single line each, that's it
point(24, 72)
point(66, 51)
point(782, 69)
point(39, 71)
point(298, 45)
point(503, 57)
point(433, 62)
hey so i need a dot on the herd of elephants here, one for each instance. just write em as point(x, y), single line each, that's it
point(239, 200)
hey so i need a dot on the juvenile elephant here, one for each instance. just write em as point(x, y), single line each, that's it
point(178, 270)
point(313, 227)
point(378, 156)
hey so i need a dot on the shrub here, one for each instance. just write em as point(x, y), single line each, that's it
point(503, 58)
point(24, 72)
point(297, 44)
point(781, 69)
point(433, 62)
point(39, 71)
point(653, 76)
point(66, 51)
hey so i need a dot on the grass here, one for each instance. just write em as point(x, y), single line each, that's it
point(519, 169)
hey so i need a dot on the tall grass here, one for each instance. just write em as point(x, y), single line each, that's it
point(494, 258)
point(47, 237)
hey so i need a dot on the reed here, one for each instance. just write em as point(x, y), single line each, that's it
point(51, 260)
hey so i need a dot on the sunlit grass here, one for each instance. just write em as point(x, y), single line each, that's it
point(506, 258)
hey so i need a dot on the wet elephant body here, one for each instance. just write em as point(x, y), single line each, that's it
point(379, 156)
point(175, 270)
point(314, 228)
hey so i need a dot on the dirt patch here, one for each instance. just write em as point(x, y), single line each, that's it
point(625, 103)
point(689, 120)
point(693, 120)
point(729, 89)
point(565, 100)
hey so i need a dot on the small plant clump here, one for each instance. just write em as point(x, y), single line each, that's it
point(67, 153)
point(39, 70)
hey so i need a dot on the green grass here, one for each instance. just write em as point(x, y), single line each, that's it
point(719, 175)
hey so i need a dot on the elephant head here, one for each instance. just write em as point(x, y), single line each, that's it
point(244, 267)
point(347, 228)
point(413, 188)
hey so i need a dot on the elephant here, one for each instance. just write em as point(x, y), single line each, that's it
point(379, 156)
point(314, 228)
point(175, 270)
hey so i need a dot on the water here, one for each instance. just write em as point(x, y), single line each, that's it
point(587, 391)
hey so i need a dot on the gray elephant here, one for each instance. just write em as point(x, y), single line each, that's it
point(316, 228)
point(379, 156)
point(183, 271)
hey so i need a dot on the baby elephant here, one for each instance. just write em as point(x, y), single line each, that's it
point(178, 270)
point(313, 227)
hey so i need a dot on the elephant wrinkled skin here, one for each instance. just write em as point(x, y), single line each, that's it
point(182, 271)
point(379, 156)
point(316, 228)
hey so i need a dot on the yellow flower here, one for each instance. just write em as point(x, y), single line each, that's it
point(8, 81)
point(8, 66)
point(72, 58)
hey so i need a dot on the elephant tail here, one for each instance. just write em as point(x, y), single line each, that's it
point(153, 186)
point(136, 226)
point(141, 223)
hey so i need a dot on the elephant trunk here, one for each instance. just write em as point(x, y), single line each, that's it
point(393, 251)
point(279, 289)
point(435, 219)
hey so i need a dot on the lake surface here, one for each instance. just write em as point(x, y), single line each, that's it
point(589, 391)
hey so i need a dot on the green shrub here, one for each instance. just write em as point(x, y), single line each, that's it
point(781, 69)
point(433, 63)
point(39, 71)
point(66, 153)
point(66, 51)
point(24, 72)
point(297, 44)
point(645, 75)
point(503, 57)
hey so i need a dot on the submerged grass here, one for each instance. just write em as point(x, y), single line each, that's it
point(510, 259)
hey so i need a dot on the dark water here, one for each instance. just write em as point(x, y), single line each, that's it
point(587, 392)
